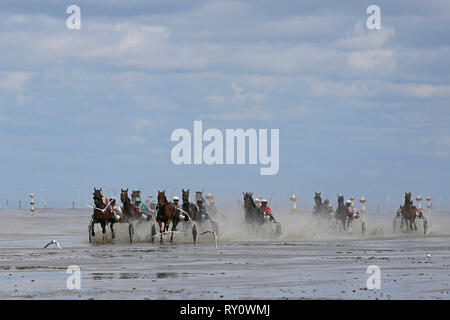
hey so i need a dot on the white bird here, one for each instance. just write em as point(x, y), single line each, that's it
point(53, 242)
point(428, 255)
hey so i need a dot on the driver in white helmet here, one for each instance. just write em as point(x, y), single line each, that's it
point(177, 206)
point(351, 208)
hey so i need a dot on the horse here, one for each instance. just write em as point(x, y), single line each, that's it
point(166, 213)
point(320, 209)
point(103, 214)
point(135, 194)
point(342, 213)
point(408, 212)
point(128, 210)
point(189, 208)
point(199, 195)
point(253, 214)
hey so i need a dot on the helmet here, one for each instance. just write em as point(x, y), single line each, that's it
point(264, 201)
point(138, 199)
point(326, 201)
point(348, 203)
point(176, 198)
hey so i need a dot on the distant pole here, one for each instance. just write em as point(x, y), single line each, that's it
point(419, 203)
point(20, 204)
point(363, 204)
point(429, 206)
point(73, 204)
point(32, 202)
point(294, 205)
point(6, 202)
point(352, 199)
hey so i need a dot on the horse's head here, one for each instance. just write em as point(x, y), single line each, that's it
point(198, 195)
point(248, 199)
point(135, 194)
point(408, 196)
point(317, 197)
point(340, 200)
point(123, 195)
point(162, 197)
point(185, 195)
point(97, 196)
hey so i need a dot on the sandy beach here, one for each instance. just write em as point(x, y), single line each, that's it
point(304, 263)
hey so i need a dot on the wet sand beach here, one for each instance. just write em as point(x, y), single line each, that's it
point(306, 262)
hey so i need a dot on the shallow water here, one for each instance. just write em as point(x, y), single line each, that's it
point(309, 260)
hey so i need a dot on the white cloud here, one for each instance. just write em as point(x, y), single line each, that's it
point(143, 123)
point(14, 81)
point(130, 140)
point(362, 38)
point(253, 113)
point(215, 100)
point(340, 88)
point(380, 60)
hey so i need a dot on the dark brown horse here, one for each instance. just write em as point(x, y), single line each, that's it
point(187, 206)
point(135, 194)
point(103, 214)
point(408, 212)
point(166, 213)
point(128, 210)
point(253, 214)
point(320, 209)
point(343, 215)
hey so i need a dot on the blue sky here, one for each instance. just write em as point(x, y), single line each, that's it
point(360, 112)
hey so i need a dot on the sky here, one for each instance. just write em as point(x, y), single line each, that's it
point(360, 112)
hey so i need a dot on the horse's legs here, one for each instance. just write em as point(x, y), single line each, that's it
point(414, 222)
point(161, 230)
point(103, 224)
point(92, 228)
point(174, 228)
point(112, 229)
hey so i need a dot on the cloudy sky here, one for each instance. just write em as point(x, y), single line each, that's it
point(360, 112)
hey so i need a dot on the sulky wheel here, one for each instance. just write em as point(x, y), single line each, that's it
point(194, 233)
point(153, 232)
point(215, 227)
point(425, 226)
point(395, 225)
point(90, 229)
point(131, 232)
point(278, 229)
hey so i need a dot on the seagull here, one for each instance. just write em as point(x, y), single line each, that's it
point(428, 255)
point(53, 242)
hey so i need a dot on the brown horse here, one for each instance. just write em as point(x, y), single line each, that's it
point(128, 210)
point(187, 206)
point(103, 214)
point(135, 194)
point(408, 212)
point(166, 212)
